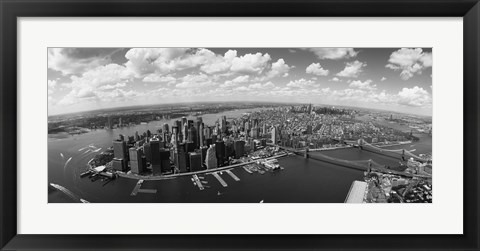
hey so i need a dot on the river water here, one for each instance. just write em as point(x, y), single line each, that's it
point(301, 181)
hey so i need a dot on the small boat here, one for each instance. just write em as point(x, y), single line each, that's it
point(82, 175)
point(218, 193)
point(261, 201)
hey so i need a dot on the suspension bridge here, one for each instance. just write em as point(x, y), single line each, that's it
point(362, 165)
point(401, 154)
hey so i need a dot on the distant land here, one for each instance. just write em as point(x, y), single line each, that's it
point(189, 104)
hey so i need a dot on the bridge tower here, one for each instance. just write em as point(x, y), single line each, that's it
point(305, 154)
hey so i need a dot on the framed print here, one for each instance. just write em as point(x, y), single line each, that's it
point(239, 125)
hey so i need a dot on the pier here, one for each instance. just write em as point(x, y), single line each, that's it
point(147, 191)
point(215, 174)
point(233, 175)
point(247, 170)
point(198, 182)
point(136, 188)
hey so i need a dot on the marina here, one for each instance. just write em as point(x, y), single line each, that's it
point(232, 175)
point(247, 170)
point(136, 188)
point(197, 181)
point(215, 174)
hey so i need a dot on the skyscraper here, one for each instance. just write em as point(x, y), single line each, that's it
point(190, 146)
point(184, 121)
point(207, 132)
point(239, 147)
point(201, 136)
point(192, 136)
point(155, 159)
point(178, 124)
point(229, 149)
point(147, 152)
point(120, 154)
point(165, 128)
point(274, 132)
point(220, 151)
point(165, 160)
point(195, 162)
point(198, 131)
point(211, 157)
point(136, 164)
point(203, 151)
point(180, 158)
point(174, 140)
point(224, 124)
point(185, 132)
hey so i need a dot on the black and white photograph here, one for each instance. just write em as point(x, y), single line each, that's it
point(239, 125)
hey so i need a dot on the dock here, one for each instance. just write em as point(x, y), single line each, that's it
point(247, 170)
point(197, 180)
point(356, 192)
point(147, 191)
point(136, 188)
point(215, 174)
point(233, 175)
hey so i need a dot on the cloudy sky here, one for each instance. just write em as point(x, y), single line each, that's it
point(398, 79)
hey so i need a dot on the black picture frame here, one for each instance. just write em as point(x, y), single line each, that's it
point(10, 10)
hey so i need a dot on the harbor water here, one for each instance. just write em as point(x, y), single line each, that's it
point(301, 181)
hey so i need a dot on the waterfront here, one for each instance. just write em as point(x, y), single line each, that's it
point(302, 180)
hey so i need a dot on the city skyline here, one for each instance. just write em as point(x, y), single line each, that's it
point(84, 79)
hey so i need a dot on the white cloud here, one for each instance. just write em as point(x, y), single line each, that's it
point(409, 62)
point(160, 61)
point(334, 53)
point(250, 63)
point(77, 60)
point(261, 86)
point(90, 83)
point(156, 78)
point(415, 96)
point(111, 87)
point(335, 79)
point(352, 69)
point(217, 63)
point(316, 69)
point(144, 61)
point(235, 81)
point(253, 88)
point(302, 83)
point(366, 85)
point(195, 81)
point(279, 68)
point(52, 83)
point(383, 79)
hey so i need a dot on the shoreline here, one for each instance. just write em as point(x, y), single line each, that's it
point(173, 176)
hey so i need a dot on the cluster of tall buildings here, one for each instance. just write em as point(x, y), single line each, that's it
point(186, 146)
